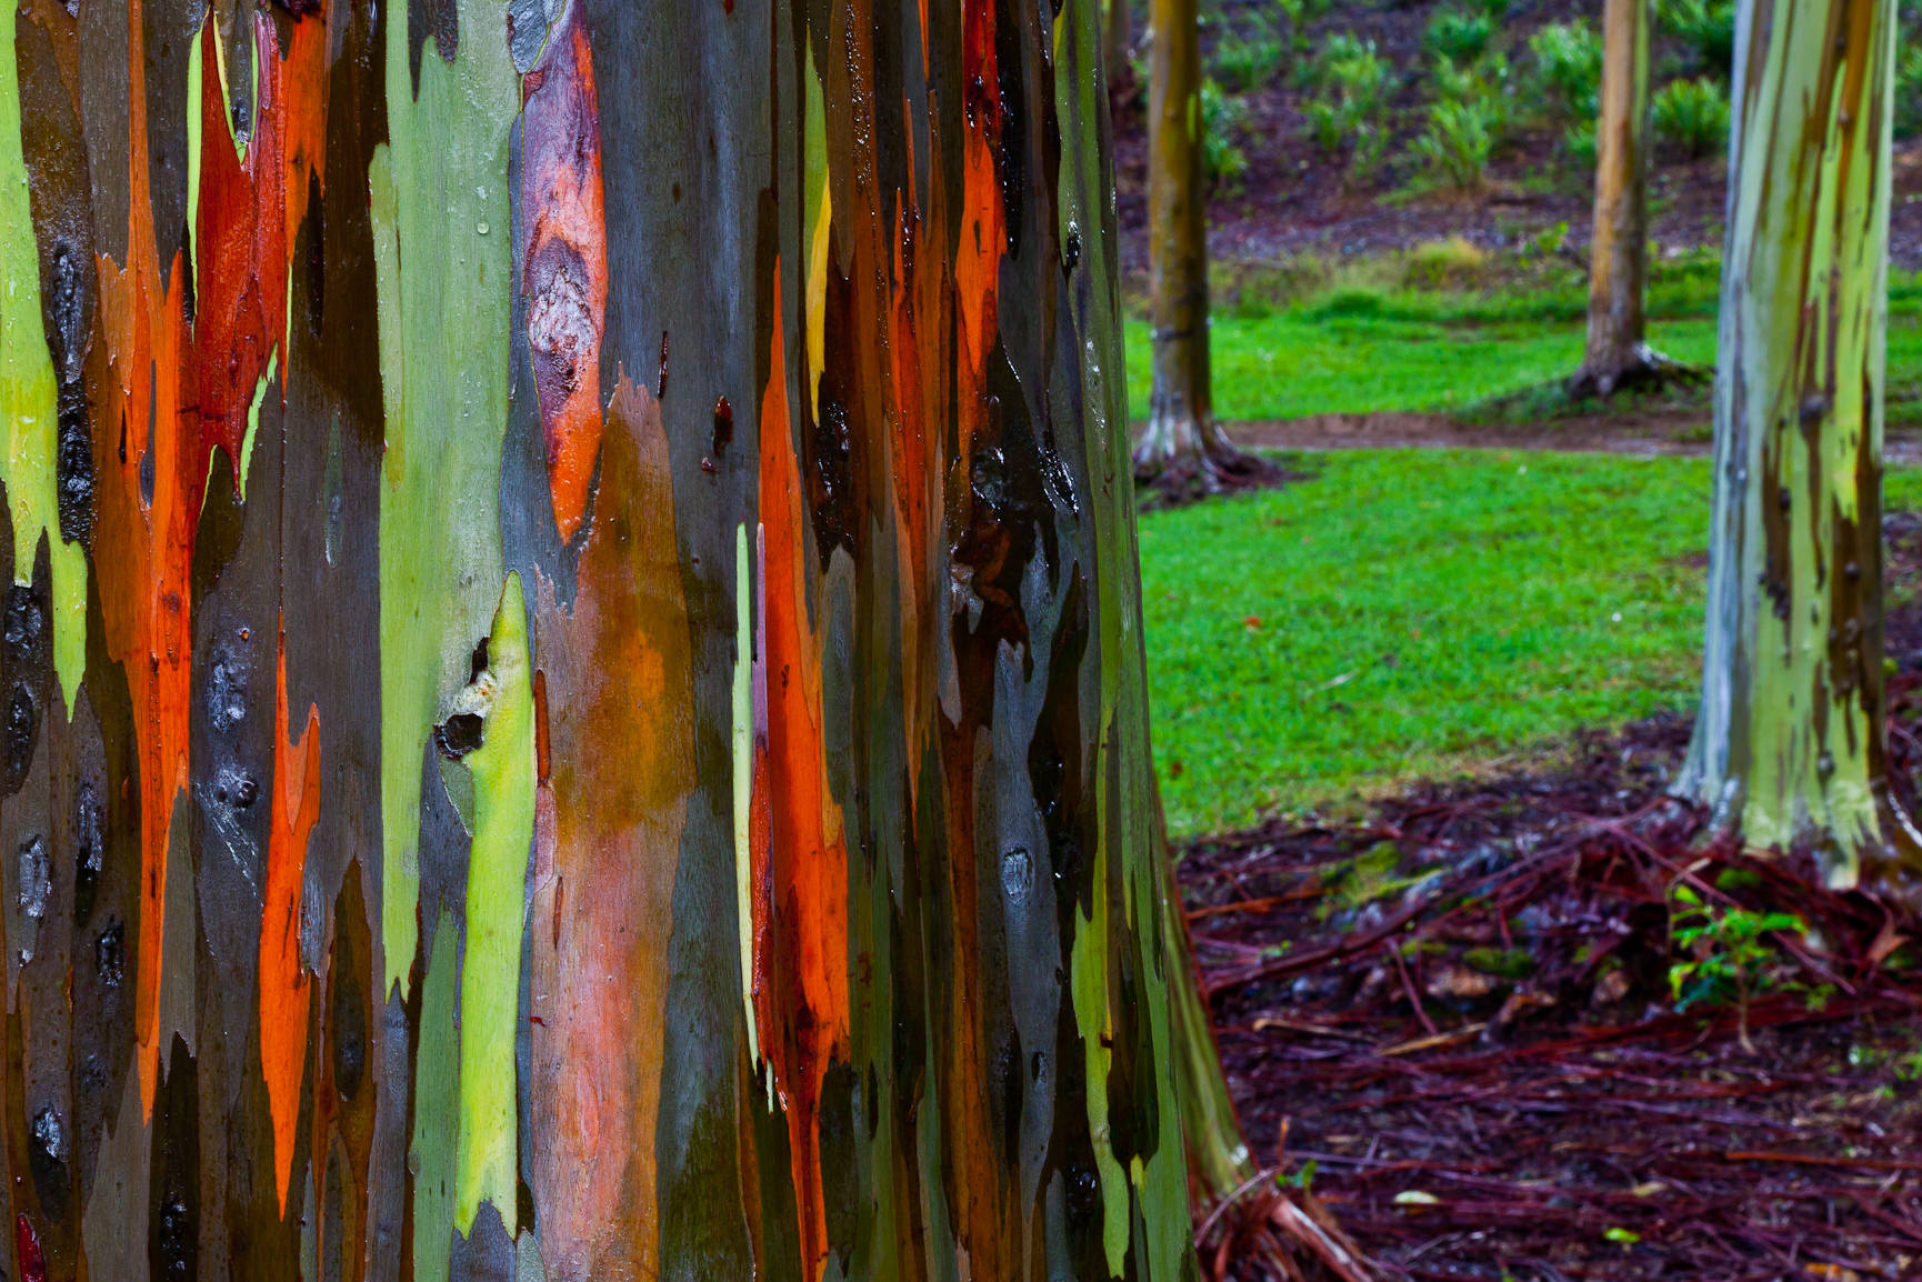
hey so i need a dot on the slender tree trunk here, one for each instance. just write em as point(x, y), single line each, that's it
point(577, 705)
point(1789, 742)
point(1183, 449)
point(1117, 42)
point(1617, 355)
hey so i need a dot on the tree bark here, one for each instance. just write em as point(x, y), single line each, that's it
point(1183, 451)
point(1789, 743)
point(1117, 42)
point(1617, 355)
point(576, 693)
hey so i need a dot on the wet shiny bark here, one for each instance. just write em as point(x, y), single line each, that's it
point(1789, 742)
point(576, 697)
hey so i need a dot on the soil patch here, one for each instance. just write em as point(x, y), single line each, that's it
point(1458, 1021)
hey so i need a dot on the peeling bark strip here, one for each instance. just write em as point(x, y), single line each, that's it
point(1788, 744)
point(476, 807)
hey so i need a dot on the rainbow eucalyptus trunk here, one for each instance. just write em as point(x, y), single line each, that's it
point(576, 701)
point(1183, 451)
point(1789, 741)
point(1618, 356)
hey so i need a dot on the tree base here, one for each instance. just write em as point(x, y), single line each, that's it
point(1169, 482)
point(1644, 370)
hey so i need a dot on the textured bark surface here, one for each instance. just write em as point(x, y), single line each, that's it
point(1183, 451)
point(1617, 356)
point(1617, 350)
point(576, 704)
point(1788, 743)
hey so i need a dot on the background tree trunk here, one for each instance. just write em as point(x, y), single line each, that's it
point(1617, 353)
point(577, 704)
point(1789, 741)
point(1183, 450)
point(1117, 42)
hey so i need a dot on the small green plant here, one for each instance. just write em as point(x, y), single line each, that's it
point(1223, 161)
point(1728, 954)
point(1459, 35)
point(1705, 28)
point(1299, 14)
point(1692, 115)
point(1301, 1178)
point(1567, 58)
point(1484, 83)
point(1579, 144)
point(1908, 90)
point(1245, 61)
point(1456, 144)
point(1350, 105)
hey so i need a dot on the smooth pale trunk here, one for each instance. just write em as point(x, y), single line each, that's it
point(606, 733)
point(1789, 740)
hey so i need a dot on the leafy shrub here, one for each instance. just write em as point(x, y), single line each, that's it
point(1243, 62)
point(1223, 162)
point(1568, 69)
point(1908, 91)
point(1692, 115)
point(1706, 28)
point(1483, 84)
point(1459, 35)
point(1456, 144)
point(1350, 105)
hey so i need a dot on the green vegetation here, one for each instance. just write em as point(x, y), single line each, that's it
point(1243, 61)
point(1728, 950)
point(1704, 28)
point(1408, 614)
point(1301, 337)
point(1350, 104)
point(1459, 35)
point(1692, 116)
point(1568, 70)
point(1908, 91)
point(1222, 158)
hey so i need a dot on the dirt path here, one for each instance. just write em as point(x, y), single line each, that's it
point(1650, 434)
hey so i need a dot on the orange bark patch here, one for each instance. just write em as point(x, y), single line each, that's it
point(285, 993)
point(565, 280)
point(169, 392)
point(808, 974)
point(617, 689)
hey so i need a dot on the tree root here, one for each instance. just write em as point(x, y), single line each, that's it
point(1646, 370)
point(1176, 482)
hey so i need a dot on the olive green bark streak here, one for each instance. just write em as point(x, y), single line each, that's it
point(1181, 425)
point(1789, 740)
point(28, 404)
point(1617, 352)
point(444, 267)
point(1218, 1155)
point(1128, 821)
point(431, 1153)
point(503, 769)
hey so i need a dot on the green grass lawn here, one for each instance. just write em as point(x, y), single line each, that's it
point(1358, 352)
point(1408, 614)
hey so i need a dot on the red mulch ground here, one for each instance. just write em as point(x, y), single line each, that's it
point(1511, 1093)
